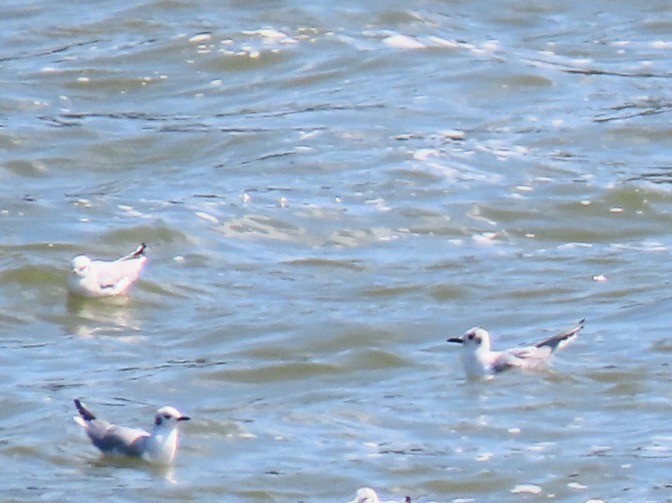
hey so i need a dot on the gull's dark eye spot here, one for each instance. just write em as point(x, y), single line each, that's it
point(470, 337)
point(166, 416)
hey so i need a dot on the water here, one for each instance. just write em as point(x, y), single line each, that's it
point(328, 193)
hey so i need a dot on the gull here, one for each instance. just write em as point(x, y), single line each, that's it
point(368, 495)
point(160, 446)
point(103, 278)
point(481, 361)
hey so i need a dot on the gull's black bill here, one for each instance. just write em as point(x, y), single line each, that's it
point(459, 340)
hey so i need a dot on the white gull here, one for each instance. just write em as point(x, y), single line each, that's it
point(480, 360)
point(368, 495)
point(103, 278)
point(160, 446)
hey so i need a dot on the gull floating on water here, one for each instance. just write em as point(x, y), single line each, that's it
point(102, 278)
point(480, 360)
point(158, 447)
point(368, 495)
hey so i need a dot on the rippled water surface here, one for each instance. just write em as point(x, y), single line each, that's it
point(328, 192)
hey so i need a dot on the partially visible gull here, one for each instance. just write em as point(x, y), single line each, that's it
point(368, 495)
point(480, 360)
point(160, 446)
point(103, 278)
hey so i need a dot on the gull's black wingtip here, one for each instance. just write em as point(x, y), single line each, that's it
point(83, 411)
point(140, 250)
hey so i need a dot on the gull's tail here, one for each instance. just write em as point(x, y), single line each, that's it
point(563, 338)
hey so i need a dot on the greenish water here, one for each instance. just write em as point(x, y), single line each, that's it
point(328, 192)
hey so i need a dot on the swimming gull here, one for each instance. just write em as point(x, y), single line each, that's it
point(102, 278)
point(158, 447)
point(368, 495)
point(480, 360)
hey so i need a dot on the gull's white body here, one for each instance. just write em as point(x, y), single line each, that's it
point(103, 278)
point(368, 495)
point(160, 446)
point(481, 361)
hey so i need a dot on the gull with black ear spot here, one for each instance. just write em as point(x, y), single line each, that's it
point(159, 447)
point(481, 361)
point(105, 278)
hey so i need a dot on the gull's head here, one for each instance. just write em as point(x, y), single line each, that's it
point(474, 339)
point(80, 265)
point(168, 417)
point(365, 495)
point(477, 338)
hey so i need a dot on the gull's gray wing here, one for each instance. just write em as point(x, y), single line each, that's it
point(530, 357)
point(505, 360)
point(113, 439)
point(118, 273)
point(533, 357)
